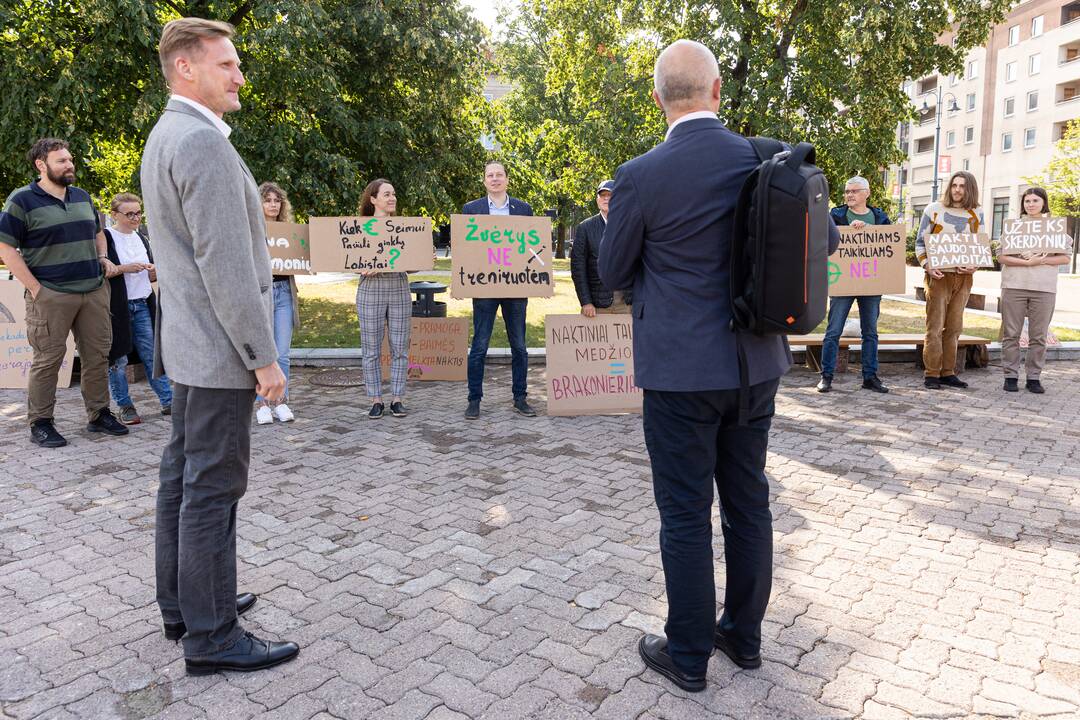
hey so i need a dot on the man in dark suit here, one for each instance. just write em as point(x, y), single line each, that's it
point(670, 234)
point(498, 202)
point(592, 294)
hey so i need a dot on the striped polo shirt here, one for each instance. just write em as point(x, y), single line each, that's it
point(56, 237)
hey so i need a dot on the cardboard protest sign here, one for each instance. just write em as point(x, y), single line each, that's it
point(1035, 235)
point(868, 261)
point(15, 351)
point(954, 250)
point(438, 349)
point(365, 244)
point(289, 249)
point(501, 256)
point(590, 365)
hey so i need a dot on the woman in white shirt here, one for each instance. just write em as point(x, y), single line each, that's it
point(1028, 290)
point(132, 306)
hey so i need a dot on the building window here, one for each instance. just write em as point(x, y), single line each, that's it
point(1029, 138)
point(1010, 106)
point(1010, 72)
point(967, 164)
point(1001, 211)
point(972, 70)
point(924, 145)
point(1037, 26)
point(1014, 35)
point(1034, 64)
point(971, 102)
point(969, 134)
point(1006, 142)
point(954, 80)
point(950, 139)
point(1033, 100)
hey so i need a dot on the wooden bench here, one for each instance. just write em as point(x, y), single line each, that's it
point(976, 300)
point(974, 349)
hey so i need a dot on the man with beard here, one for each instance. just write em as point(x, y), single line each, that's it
point(51, 240)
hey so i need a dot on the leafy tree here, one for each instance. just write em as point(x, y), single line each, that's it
point(337, 93)
point(827, 71)
point(1061, 179)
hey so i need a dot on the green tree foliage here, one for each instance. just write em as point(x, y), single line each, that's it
point(826, 71)
point(338, 93)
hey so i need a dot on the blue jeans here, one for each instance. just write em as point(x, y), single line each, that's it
point(142, 337)
point(484, 311)
point(283, 329)
point(839, 307)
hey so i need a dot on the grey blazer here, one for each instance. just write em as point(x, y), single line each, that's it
point(215, 312)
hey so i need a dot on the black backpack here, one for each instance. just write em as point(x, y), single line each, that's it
point(780, 241)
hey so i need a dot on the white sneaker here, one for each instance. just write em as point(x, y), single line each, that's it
point(263, 415)
point(283, 413)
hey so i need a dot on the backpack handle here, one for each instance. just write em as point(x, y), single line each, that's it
point(803, 152)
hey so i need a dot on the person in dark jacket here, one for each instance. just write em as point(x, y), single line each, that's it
point(856, 213)
point(593, 296)
point(132, 305)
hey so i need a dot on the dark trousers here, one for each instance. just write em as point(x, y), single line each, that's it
point(203, 475)
point(695, 442)
point(513, 310)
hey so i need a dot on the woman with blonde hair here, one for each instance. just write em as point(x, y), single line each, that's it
point(277, 208)
point(383, 300)
point(1028, 290)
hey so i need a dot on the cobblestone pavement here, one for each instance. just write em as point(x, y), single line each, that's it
point(926, 562)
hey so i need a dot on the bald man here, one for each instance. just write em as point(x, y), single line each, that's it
point(669, 236)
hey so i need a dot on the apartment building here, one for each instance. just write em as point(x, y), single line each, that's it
point(1000, 117)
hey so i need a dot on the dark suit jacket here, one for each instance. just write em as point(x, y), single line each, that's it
point(669, 234)
point(583, 261)
point(480, 207)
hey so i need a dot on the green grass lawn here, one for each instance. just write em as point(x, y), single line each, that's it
point(328, 316)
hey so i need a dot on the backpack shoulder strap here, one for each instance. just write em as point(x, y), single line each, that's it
point(765, 147)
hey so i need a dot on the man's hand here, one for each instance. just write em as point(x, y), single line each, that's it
point(34, 290)
point(858, 224)
point(588, 310)
point(270, 383)
point(936, 274)
point(967, 270)
point(111, 270)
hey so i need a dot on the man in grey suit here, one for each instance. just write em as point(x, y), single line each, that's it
point(215, 340)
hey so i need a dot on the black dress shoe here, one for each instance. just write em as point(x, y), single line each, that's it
point(522, 407)
point(653, 650)
point(472, 412)
point(175, 631)
point(1011, 385)
point(44, 434)
point(1035, 386)
point(953, 381)
point(397, 409)
point(825, 384)
point(747, 662)
point(248, 654)
point(874, 383)
point(932, 383)
point(106, 423)
point(376, 411)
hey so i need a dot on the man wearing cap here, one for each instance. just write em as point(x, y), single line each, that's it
point(856, 213)
point(592, 294)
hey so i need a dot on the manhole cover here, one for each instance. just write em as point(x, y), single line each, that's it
point(338, 378)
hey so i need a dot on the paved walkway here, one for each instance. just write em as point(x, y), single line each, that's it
point(926, 563)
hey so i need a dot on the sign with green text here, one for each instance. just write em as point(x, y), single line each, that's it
point(501, 256)
point(370, 244)
point(438, 349)
point(868, 261)
point(289, 248)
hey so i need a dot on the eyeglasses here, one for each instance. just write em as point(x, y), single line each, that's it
point(133, 215)
point(856, 191)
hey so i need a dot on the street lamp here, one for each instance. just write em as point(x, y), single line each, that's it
point(954, 107)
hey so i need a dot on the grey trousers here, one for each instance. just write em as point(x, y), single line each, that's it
point(203, 475)
point(1038, 308)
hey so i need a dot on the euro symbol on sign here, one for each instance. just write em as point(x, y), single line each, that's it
point(368, 225)
point(834, 273)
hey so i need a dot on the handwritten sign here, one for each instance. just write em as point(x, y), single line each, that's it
point(954, 250)
point(290, 252)
point(15, 351)
point(868, 261)
point(590, 365)
point(1035, 235)
point(438, 349)
point(369, 244)
point(501, 256)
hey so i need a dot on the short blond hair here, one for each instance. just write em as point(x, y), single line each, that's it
point(121, 198)
point(186, 35)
